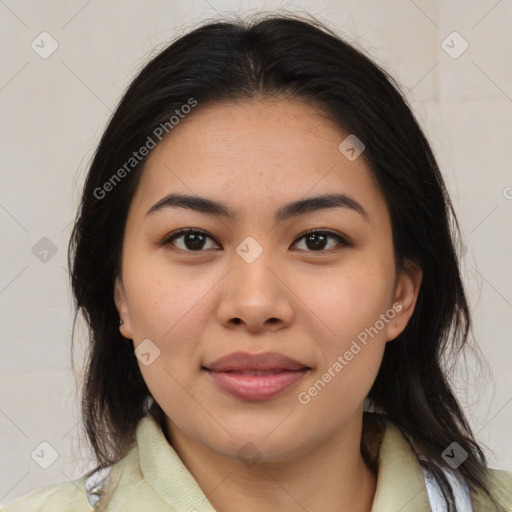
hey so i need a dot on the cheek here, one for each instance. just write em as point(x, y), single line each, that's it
point(350, 351)
point(350, 303)
point(163, 300)
point(347, 300)
point(168, 309)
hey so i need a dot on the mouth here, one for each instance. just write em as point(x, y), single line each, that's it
point(255, 377)
point(257, 385)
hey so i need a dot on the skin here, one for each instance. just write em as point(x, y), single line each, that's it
point(255, 156)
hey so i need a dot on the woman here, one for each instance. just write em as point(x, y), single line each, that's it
point(264, 256)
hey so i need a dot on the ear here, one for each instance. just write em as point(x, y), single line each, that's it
point(407, 288)
point(122, 308)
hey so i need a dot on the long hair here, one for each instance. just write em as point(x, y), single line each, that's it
point(285, 56)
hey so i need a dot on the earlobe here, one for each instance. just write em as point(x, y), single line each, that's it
point(122, 308)
point(406, 295)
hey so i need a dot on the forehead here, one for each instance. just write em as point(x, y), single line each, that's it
point(241, 152)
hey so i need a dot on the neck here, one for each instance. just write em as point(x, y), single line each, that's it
point(332, 477)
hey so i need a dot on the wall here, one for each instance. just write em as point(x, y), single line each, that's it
point(53, 112)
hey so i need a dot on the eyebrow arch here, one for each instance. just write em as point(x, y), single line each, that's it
point(293, 209)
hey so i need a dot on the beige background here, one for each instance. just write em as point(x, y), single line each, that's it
point(54, 110)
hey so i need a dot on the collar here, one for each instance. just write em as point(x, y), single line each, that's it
point(163, 469)
point(400, 481)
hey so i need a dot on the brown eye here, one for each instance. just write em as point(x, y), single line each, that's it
point(196, 240)
point(193, 240)
point(317, 240)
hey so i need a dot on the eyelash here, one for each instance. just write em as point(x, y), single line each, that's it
point(344, 242)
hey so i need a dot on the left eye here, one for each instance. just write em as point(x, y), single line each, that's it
point(194, 240)
point(317, 240)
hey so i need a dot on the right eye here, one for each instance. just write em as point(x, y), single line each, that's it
point(193, 240)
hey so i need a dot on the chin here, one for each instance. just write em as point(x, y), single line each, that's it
point(249, 445)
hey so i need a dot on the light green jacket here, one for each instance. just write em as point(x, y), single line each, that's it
point(152, 477)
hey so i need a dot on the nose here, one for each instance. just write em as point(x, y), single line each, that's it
point(255, 296)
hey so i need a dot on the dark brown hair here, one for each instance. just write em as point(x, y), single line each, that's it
point(283, 55)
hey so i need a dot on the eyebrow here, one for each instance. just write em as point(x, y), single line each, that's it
point(293, 209)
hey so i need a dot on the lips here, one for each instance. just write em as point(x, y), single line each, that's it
point(256, 376)
point(245, 362)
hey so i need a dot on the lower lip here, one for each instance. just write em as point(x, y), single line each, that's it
point(257, 387)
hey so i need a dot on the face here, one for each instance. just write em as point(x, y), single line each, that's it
point(253, 282)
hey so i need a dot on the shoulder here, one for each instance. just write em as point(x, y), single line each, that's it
point(500, 487)
point(62, 497)
point(500, 477)
point(499, 483)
